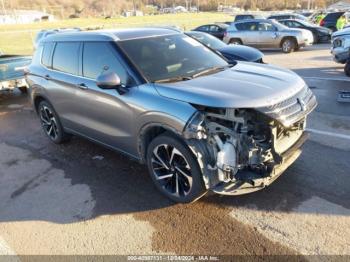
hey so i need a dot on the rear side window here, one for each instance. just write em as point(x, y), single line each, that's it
point(99, 58)
point(249, 26)
point(65, 58)
point(46, 55)
point(243, 17)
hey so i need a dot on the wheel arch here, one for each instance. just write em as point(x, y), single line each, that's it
point(150, 131)
point(293, 38)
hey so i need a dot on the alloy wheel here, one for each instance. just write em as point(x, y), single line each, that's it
point(171, 170)
point(286, 46)
point(48, 122)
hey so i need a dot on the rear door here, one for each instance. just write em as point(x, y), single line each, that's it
point(62, 78)
point(248, 33)
point(268, 35)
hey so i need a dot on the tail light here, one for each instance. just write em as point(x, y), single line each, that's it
point(322, 22)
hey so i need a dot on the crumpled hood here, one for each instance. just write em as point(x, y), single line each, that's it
point(246, 85)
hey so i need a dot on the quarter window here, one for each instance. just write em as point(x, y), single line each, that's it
point(46, 55)
point(65, 58)
point(99, 58)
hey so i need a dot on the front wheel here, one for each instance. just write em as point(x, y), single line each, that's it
point(288, 45)
point(174, 169)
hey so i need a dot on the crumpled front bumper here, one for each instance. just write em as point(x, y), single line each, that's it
point(254, 182)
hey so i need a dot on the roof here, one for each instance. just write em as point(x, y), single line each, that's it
point(112, 35)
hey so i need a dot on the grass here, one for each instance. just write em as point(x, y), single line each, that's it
point(18, 39)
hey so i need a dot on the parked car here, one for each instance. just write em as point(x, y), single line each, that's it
point(231, 52)
point(12, 72)
point(263, 33)
point(330, 20)
point(247, 17)
point(170, 102)
point(287, 16)
point(217, 30)
point(320, 33)
point(46, 32)
point(341, 46)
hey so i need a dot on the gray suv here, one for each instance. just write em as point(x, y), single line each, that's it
point(170, 102)
point(264, 33)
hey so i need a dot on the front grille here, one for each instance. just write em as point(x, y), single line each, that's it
point(292, 109)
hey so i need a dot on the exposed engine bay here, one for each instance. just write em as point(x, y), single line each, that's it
point(242, 150)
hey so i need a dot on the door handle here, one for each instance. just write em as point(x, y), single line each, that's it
point(82, 86)
point(47, 77)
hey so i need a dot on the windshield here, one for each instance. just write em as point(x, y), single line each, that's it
point(207, 40)
point(171, 56)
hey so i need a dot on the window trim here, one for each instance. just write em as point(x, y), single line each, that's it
point(116, 50)
point(50, 56)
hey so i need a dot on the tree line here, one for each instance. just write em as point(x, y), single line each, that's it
point(116, 7)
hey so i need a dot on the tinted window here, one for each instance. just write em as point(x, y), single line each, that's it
point(99, 58)
point(46, 57)
point(65, 58)
point(204, 28)
point(243, 17)
point(249, 26)
point(263, 26)
point(333, 16)
point(214, 28)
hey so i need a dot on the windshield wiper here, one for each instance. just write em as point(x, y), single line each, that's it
point(173, 79)
point(211, 70)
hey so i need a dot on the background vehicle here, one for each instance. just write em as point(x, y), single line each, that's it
point(330, 20)
point(263, 33)
point(231, 52)
point(341, 46)
point(45, 33)
point(12, 72)
point(217, 30)
point(320, 34)
point(247, 17)
point(287, 16)
point(153, 94)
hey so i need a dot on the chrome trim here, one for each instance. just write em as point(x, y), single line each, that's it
point(292, 109)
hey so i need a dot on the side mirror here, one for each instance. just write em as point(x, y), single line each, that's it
point(108, 81)
point(111, 80)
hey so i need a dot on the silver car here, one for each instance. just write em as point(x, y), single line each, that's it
point(264, 33)
point(341, 46)
point(168, 101)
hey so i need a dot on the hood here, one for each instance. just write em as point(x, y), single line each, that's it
point(246, 85)
point(245, 53)
point(345, 31)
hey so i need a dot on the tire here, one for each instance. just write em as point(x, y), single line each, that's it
point(51, 123)
point(347, 69)
point(174, 169)
point(235, 41)
point(288, 45)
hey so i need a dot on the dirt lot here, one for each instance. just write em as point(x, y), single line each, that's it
point(80, 198)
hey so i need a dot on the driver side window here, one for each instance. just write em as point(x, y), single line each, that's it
point(100, 57)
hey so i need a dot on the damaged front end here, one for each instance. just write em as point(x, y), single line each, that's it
point(244, 150)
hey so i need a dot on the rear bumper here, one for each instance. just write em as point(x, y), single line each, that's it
point(253, 182)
